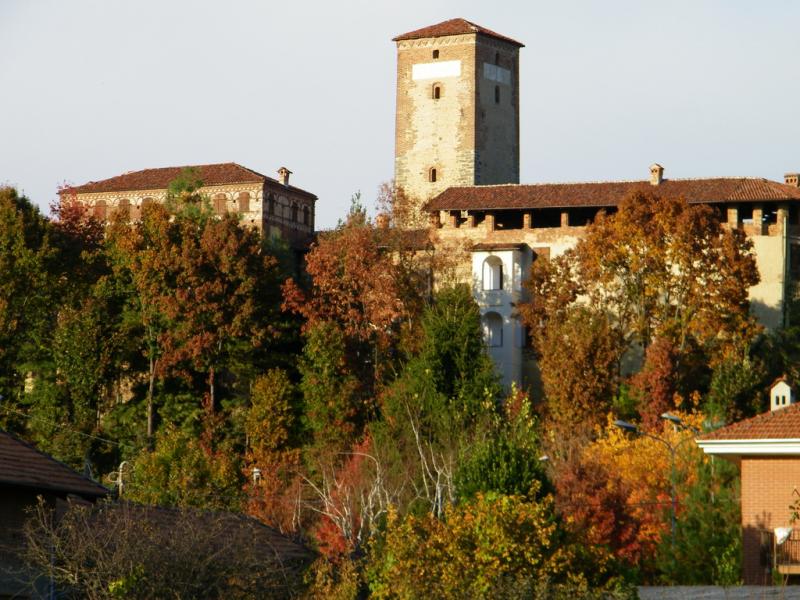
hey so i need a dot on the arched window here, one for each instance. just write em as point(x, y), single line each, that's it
point(436, 91)
point(294, 213)
point(492, 273)
point(271, 204)
point(306, 219)
point(220, 204)
point(493, 329)
point(124, 208)
point(497, 94)
point(100, 210)
point(432, 175)
point(244, 201)
point(435, 54)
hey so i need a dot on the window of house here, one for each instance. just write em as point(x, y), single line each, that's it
point(435, 54)
point(497, 94)
point(432, 175)
point(271, 204)
point(437, 91)
point(124, 208)
point(294, 213)
point(497, 58)
point(220, 204)
point(100, 210)
point(306, 218)
point(493, 329)
point(492, 273)
point(244, 201)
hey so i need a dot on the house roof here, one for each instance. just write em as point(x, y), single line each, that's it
point(609, 193)
point(453, 27)
point(160, 178)
point(779, 424)
point(23, 465)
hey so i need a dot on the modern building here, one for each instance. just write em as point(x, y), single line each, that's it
point(457, 167)
point(767, 450)
point(272, 206)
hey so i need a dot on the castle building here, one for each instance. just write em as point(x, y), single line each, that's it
point(457, 109)
point(457, 164)
point(273, 206)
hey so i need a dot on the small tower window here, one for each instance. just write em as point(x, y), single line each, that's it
point(492, 273)
point(493, 329)
point(435, 54)
point(437, 91)
point(497, 94)
point(432, 175)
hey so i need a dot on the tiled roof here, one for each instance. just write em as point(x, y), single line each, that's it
point(23, 465)
point(157, 179)
point(453, 27)
point(780, 424)
point(609, 193)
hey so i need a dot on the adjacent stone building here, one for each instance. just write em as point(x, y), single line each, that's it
point(272, 206)
point(457, 159)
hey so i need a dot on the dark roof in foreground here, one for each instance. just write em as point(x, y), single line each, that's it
point(453, 27)
point(160, 178)
point(23, 465)
point(780, 424)
point(610, 193)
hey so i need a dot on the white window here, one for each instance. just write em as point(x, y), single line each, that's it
point(492, 273)
point(493, 329)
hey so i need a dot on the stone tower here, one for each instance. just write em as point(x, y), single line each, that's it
point(457, 120)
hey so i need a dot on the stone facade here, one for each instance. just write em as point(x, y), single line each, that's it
point(274, 207)
point(457, 120)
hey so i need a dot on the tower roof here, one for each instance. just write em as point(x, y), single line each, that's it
point(453, 27)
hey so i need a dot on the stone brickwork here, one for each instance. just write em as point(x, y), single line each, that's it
point(457, 114)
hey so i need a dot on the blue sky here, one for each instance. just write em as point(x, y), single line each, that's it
point(92, 89)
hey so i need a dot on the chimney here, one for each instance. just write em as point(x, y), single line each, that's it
point(283, 175)
point(781, 393)
point(792, 179)
point(656, 174)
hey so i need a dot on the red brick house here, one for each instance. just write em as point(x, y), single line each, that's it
point(767, 450)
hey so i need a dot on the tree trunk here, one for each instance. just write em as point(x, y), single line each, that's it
point(150, 402)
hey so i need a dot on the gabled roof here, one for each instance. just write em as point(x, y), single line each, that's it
point(160, 178)
point(609, 193)
point(453, 27)
point(779, 424)
point(23, 465)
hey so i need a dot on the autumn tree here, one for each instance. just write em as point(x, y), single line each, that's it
point(657, 268)
point(26, 290)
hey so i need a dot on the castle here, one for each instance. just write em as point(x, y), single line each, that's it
point(273, 206)
point(457, 166)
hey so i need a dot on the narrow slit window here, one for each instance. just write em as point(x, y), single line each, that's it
point(435, 54)
point(437, 91)
point(497, 94)
point(432, 175)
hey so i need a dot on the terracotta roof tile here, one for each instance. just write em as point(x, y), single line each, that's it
point(609, 193)
point(23, 465)
point(453, 27)
point(780, 424)
point(160, 178)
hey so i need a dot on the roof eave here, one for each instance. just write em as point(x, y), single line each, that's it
point(751, 447)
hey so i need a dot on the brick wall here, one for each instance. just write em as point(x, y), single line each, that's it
point(767, 491)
